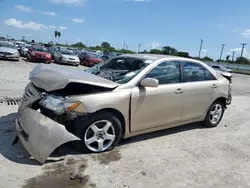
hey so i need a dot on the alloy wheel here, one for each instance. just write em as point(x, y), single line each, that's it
point(99, 136)
point(216, 113)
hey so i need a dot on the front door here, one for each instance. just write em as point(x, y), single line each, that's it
point(153, 107)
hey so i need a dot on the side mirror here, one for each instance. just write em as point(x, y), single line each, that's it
point(149, 82)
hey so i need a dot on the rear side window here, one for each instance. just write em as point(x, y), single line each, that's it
point(194, 72)
point(209, 75)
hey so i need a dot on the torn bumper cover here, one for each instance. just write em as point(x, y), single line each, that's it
point(40, 135)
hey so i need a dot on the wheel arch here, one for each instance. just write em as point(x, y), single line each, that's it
point(118, 114)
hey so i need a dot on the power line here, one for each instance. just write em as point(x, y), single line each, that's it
point(200, 48)
point(222, 48)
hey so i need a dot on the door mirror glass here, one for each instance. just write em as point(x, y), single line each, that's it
point(149, 82)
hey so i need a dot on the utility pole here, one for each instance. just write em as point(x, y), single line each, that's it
point(200, 48)
point(139, 48)
point(233, 57)
point(126, 46)
point(222, 48)
point(243, 46)
point(23, 37)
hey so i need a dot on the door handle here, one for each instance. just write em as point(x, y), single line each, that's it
point(214, 86)
point(179, 91)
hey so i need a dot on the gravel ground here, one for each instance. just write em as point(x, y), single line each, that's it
point(187, 156)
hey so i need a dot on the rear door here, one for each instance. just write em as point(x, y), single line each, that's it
point(199, 90)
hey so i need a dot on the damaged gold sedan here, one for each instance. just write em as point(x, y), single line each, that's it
point(125, 96)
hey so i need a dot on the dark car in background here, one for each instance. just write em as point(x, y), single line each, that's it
point(39, 54)
point(89, 59)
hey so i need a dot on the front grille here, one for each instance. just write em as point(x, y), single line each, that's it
point(71, 59)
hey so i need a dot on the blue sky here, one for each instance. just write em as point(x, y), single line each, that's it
point(152, 23)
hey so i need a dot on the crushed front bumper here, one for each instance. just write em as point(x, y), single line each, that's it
point(40, 135)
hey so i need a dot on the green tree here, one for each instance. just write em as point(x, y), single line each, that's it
point(206, 58)
point(242, 60)
point(105, 45)
point(183, 54)
point(79, 45)
point(59, 35)
point(227, 58)
point(56, 34)
point(155, 51)
point(168, 50)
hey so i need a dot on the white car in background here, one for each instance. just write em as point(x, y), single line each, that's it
point(65, 56)
point(8, 51)
point(227, 73)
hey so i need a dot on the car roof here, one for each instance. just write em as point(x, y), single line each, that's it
point(154, 57)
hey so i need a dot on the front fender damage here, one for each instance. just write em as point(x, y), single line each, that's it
point(41, 135)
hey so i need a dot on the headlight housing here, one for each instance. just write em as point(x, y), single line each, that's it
point(58, 105)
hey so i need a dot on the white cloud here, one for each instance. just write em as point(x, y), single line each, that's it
point(52, 26)
point(19, 24)
point(28, 35)
point(62, 28)
point(69, 2)
point(23, 8)
point(49, 13)
point(78, 20)
point(220, 25)
point(246, 33)
point(155, 45)
point(235, 30)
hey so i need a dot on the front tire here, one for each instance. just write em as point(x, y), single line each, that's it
point(214, 114)
point(101, 132)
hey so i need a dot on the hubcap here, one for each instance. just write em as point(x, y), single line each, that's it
point(99, 136)
point(215, 114)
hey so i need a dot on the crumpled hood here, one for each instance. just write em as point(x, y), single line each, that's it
point(54, 77)
point(70, 56)
point(10, 50)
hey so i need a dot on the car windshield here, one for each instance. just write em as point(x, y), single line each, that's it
point(119, 70)
point(40, 49)
point(7, 45)
point(67, 52)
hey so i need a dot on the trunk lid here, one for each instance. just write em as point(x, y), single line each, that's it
point(54, 77)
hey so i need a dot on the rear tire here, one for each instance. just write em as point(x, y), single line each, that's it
point(214, 114)
point(109, 136)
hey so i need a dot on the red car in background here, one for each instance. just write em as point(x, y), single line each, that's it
point(39, 54)
point(89, 59)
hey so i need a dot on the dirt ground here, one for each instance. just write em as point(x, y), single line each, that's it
point(186, 156)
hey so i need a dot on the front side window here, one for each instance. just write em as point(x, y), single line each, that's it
point(166, 73)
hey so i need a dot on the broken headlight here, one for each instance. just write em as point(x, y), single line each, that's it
point(57, 104)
